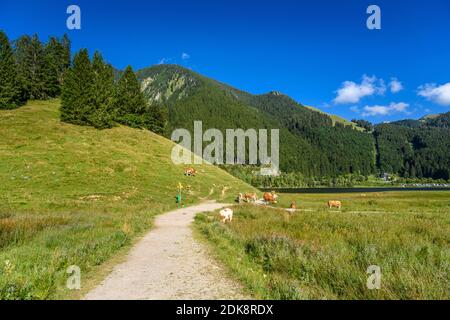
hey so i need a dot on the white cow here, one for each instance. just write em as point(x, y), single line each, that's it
point(226, 215)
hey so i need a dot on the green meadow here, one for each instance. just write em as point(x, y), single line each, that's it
point(73, 195)
point(321, 253)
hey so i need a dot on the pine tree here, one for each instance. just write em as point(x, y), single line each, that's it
point(66, 56)
point(21, 49)
point(103, 88)
point(35, 65)
point(128, 97)
point(157, 119)
point(77, 97)
point(52, 69)
point(59, 53)
point(10, 92)
point(104, 80)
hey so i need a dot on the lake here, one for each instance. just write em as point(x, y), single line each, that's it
point(353, 190)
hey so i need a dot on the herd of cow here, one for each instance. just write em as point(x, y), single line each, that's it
point(268, 198)
point(271, 198)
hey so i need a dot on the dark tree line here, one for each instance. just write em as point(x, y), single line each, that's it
point(415, 151)
point(33, 70)
point(90, 96)
point(11, 95)
point(30, 69)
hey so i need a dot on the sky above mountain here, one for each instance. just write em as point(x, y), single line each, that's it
point(320, 52)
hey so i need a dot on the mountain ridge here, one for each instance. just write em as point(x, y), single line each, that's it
point(143, 72)
point(189, 96)
point(312, 143)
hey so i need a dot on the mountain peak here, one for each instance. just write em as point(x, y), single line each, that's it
point(275, 93)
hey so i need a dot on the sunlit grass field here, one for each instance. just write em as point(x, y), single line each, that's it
point(321, 253)
point(72, 195)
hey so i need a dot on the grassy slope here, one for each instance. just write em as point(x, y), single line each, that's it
point(319, 253)
point(338, 119)
point(74, 195)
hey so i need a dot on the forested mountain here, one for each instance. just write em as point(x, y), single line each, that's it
point(312, 143)
point(309, 141)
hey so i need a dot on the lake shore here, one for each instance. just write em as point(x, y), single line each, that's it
point(352, 189)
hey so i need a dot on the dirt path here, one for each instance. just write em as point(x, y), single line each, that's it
point(169, 264)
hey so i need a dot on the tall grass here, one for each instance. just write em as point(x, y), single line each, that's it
point(14, 230)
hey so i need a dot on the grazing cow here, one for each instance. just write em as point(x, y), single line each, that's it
point(270, 197)
point(292, 208)
point(226, 215)
point(190, 172)
point(249, 197)
point(336, 204)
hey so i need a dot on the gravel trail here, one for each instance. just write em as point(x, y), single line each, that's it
point(168, 263)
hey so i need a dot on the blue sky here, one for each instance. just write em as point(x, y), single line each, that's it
point(318, 52)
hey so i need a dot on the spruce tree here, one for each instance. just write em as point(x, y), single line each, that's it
point(10, 92)
point(58, 52)
point(52, 67)
point(21, 49)
point(35, 64)
point(66, 56)
point(157, 118)
point(103, 89)
point(103, 80)
point(77, 97)
point(128, 97)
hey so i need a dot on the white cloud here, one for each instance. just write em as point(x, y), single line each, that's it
point(371, 111)
point(164, 61)
point(185, 56)
point(435, 93)
point(381, 88)
point(395, 85)
point(351, 92)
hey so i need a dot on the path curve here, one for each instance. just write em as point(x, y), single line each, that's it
point(169, 264)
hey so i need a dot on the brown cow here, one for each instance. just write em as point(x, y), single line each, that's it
point(334, 203)
point(190, 172)
point(250, 197)
point(270, 197)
